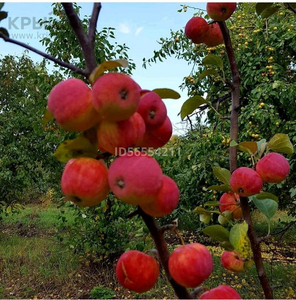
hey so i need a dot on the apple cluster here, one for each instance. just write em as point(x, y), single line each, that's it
point(199, 31)
point(271, 168)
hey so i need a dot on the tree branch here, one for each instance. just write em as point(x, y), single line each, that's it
point(55, 60)
point(83, 39)
point(93, 22)
point(291, 8)
point(163, 252)
point(255, 244)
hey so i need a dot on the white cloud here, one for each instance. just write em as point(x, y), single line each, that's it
point(138, 30)
point(124, 28)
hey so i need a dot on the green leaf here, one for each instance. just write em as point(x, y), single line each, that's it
point(233, 143)
point(239, 239)
point(267, 195)
point(280, 142)
point(267, 206)
point(167, 93)
point(222, 174)
point(191, 105)
point(205, 218)
point(217, 233)
point(261, 146)
point(214, 60)
point(8, 209)
point(47, 117)
point(79, 147)
point(4, 31)
point(269, 12)
point(104, 66)
point(3, 15)
point(260, 7)
point(222, 188)
point(249, 147)
point(212, 203)
point(200, 210)
point(207, 73)
point(1, 5)
point(227, 246)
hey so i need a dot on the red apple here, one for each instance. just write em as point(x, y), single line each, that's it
point(116, 96)
point(190, 264)
point(214, 35)
point(153, 110)
point(70, 102)
point(115, 137)
point(137, 271)
point(245, 182)
point(135, 178)
point(221, 292)
point(232, 261)
point(196, 29)
point(220, 11)
point(166, 201)
point(273, 168)
point(159, 137)
point(229, 202)
point(85, 181)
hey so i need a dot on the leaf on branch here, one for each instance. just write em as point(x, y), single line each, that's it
point(233, 143)
point(167, 93)
point(269, 12)
point(261, 146)
point(280, 142)
point(201, 211)
point(222, 188)
point(248, 147)
point(190, 105)
point(106, 65)
point(267, 206)
point(214, 60)
point(3, 15)
point(1, 5)
point(205, 218)
point(79, 147)
point(260, 7)
point(217, 233)
point(47, 117)
point(212, 203)
point(4, 31)
point(207, 73)
point(222, 174)
point(267, 195)
point(239, 239)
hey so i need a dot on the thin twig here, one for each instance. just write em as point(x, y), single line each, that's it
point(55, 60)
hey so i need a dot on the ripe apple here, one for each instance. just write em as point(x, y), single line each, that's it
point(273, 168)
point(219, 11)
point(190, 264)
point(221, 292)
point(135, 178)
point(166, 201)
point(115, 137)
point(159, 137)
point(85, 181)
point(245, 182)
point(137, 271)
point(116, 96)
point(196, 29)
point(232, 261)
point(70, 102)
point(153, 110)
point(229, 202)
point(214, 35)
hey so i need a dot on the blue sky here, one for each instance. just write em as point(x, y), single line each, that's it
point(138, 24)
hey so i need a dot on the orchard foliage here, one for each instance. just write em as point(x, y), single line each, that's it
point(265, 54)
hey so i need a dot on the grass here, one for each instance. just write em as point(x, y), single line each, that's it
point(33, 263)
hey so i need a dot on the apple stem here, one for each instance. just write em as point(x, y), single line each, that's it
point(157, 235)
point(234, 84)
